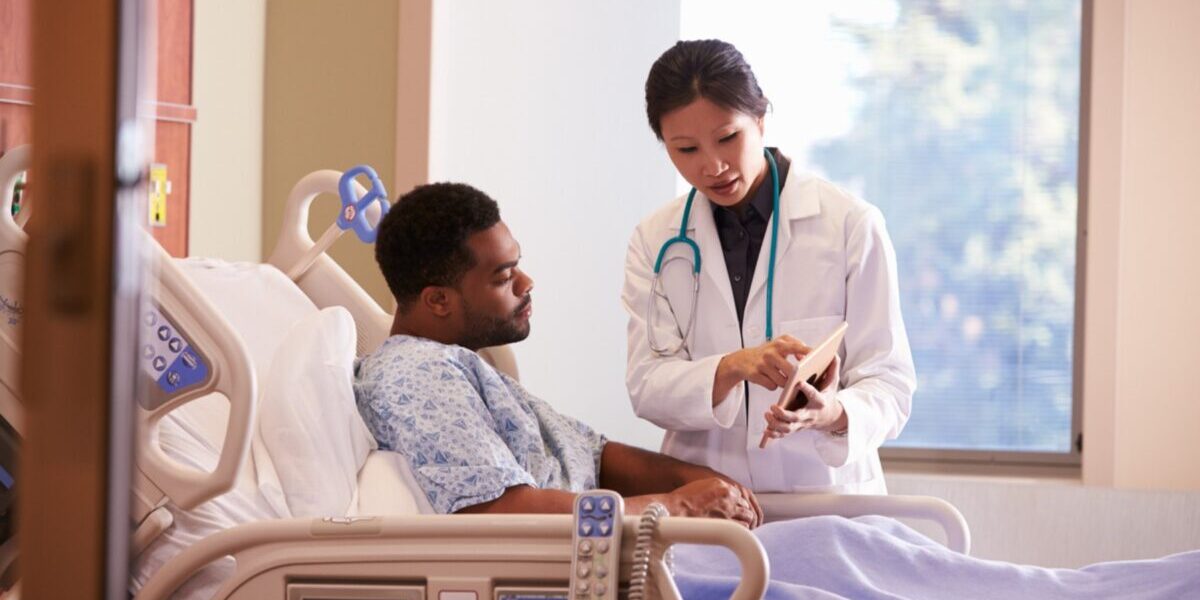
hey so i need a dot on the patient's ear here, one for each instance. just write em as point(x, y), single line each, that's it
point(437, 300)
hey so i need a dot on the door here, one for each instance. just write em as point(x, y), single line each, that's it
point(81, 283)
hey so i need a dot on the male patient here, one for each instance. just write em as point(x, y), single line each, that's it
point(476, 440)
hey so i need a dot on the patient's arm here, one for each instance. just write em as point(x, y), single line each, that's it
point(632, 471)
point(530, 500)
point(643, 477)
point(711, 497)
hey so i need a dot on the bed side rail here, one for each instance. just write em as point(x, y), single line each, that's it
point(333, 547)
point(12, 164)
point(179, 311)
point(12, 264)
point(187, 351)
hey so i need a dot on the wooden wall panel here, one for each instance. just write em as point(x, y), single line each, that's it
point(16, 74)
point(16, 27)
point(16, 125)
point(173, 133)
point(173, 142)
point(174, 51)
point(16, 129)
point(174, 109)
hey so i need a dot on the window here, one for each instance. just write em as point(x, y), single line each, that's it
point(960, 121)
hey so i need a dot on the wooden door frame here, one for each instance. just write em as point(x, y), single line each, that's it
point(78, 375)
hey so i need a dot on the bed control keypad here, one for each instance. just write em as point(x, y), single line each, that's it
point(167, 356)
point(596, 545)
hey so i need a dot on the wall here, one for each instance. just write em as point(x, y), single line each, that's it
point(540, 105)
point(1158, 324)
point(227, 138)
point(330, 103)
point(1140, 409)
point(1059, 522)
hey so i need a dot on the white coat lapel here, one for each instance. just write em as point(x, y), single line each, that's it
point(797, 200)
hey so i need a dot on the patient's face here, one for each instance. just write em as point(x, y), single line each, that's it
point(496, 300)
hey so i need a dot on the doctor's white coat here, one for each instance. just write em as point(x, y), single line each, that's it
point(834, 262)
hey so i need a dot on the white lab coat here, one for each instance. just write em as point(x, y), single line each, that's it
point(834, 262)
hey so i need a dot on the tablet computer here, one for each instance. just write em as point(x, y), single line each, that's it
point(810, 368)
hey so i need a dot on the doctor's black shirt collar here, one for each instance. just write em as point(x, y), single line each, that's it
point(742, 235)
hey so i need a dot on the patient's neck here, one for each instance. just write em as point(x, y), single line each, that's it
point(422, 326)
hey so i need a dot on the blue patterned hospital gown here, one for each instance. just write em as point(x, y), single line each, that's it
point(469, 431)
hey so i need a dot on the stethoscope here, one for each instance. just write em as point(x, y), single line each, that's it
point(656, 287)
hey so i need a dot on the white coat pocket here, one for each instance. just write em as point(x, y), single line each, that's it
point(812, 330)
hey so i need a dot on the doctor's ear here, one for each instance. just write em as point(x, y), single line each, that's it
point(438, 300)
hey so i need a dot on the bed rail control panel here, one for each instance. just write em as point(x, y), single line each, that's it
point(596, 544)
point(186, 351)
point(168, 357)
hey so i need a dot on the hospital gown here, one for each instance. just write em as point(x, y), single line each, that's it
point(467, 430)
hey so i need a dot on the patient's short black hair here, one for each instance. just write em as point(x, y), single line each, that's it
point(422, 241)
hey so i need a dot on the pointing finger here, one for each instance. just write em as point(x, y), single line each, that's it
point(783, 415)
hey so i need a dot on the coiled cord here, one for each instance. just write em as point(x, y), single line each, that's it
point(644, 549)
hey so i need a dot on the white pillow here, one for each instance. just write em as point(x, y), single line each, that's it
point(308, 419)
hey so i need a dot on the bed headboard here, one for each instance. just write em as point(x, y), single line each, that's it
point(326, 283)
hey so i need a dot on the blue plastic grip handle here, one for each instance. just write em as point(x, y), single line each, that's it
point(354, 209)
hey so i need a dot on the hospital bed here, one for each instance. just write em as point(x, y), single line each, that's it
point(212, 512)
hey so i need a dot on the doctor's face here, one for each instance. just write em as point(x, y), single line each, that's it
point(496, 302)
point(717, 150)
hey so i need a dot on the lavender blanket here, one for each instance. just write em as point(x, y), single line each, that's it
point(876, 557)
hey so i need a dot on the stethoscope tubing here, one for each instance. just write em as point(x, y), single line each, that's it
point(656, 285)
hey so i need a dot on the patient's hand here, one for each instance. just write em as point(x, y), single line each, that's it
point(716, 498)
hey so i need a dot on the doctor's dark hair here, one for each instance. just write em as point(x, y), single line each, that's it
point(709, 69)
point(422, 241)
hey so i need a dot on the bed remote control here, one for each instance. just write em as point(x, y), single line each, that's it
point(596, 545)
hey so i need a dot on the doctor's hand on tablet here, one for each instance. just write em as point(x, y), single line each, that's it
point(765, 365)
point(814, 407)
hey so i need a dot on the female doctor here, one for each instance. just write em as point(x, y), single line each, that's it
point(725, 283)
